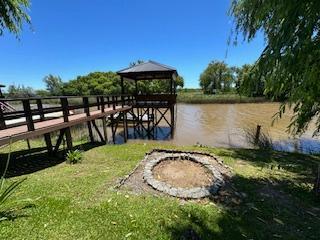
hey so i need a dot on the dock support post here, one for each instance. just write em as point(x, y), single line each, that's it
point(97, 130)
point(126, 124)
point(112, 121)
point(257, 136)
point(104, 122)
point(59, 140)
point(28, 114)
point(172, 120)
point(125, 133)
point(65, 110)
point(87, 111)
point(104, 125)
point(68, 138)
point(148, 113)
point(47, 136)
point(2, 121)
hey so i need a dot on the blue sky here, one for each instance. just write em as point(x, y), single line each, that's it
point(75, 37)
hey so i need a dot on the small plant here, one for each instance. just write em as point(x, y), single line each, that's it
point(7, 192)
point(74, 156)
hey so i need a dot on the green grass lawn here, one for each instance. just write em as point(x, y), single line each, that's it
point(79, 202)
point(197, 96)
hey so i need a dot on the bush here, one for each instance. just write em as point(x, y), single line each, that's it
point(74, 157)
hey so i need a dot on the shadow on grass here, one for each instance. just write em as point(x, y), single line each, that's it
point(28, 161)
point(266, 212)
point(301, 164)
point(13, 214)
point(280, 206)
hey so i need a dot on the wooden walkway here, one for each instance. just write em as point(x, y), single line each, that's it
point(36, 117)
point(47, 126)
point(34, 121)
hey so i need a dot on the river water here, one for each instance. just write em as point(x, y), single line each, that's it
point(225, 125)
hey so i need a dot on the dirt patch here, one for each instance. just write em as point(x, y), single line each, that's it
point(182, 173)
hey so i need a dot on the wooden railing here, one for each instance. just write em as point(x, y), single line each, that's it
point(37, 108)
point(165, 100)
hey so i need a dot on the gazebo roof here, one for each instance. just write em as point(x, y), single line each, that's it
point(149, 70)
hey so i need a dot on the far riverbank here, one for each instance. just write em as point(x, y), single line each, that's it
point(198, 97)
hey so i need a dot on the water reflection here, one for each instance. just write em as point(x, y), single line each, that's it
point(223, 125)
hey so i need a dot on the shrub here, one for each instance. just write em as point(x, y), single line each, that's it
point(74, 156)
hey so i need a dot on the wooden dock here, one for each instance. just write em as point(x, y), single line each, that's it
point(75, 110)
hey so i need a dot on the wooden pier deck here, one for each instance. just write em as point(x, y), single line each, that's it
point(32, 121)
point(47, 126)
point(36, 117)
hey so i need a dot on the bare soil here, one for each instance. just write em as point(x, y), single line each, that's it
point(182, 173)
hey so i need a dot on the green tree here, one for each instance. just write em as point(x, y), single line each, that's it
point(217, 76)
point(42, 93)
point(53, 84)
point(290, 61)
point(95, 83)
point(180, 82)
point(20, 91)
point(13, 13)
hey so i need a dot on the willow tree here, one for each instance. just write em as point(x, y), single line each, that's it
point(290, 62)
point(247, 84)
point(13, 13)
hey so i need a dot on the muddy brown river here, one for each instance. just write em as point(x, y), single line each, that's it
point(223, 125)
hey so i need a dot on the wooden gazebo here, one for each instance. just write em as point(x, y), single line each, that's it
point(151, 109)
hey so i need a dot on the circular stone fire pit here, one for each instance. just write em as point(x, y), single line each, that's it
point(183, 175)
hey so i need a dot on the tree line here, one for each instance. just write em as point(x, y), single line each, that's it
point(219, 77)
point(95, 83)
